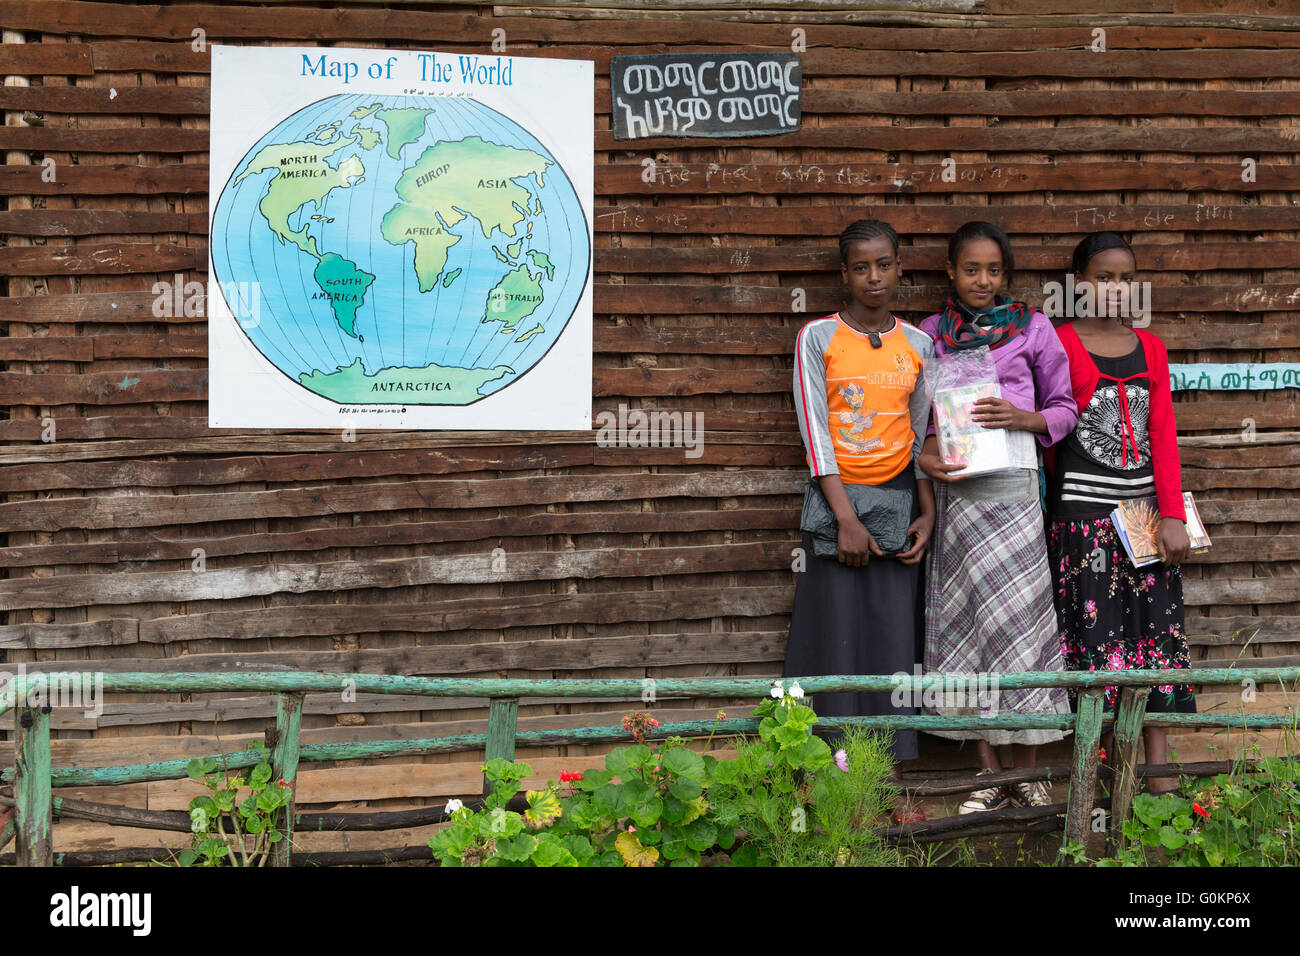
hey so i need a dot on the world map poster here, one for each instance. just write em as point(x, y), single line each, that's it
point(399, 239)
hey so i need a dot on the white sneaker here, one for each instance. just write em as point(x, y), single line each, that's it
point(990, 798)
point(1032, 793)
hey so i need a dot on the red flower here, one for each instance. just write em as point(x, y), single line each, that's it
point(1200, 811)
point(654, 723)
point(1101, 753)
point(283, 783)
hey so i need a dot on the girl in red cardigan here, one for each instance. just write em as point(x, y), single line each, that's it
point(1112, 615)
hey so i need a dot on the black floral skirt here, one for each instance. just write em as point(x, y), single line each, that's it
point(1113, 616)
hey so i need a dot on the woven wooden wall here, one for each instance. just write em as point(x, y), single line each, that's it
point(376, 555)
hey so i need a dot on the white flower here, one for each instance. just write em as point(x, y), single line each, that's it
point(796, 691)
point(778, 691)
point(453, 806)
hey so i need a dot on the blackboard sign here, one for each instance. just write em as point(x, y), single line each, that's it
point(705, 94)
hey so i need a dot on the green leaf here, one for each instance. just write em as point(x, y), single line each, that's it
point(206, 804)
point(550, 853)
point(581, 813)
point(637, 756)
point(800, 717)
point(254, 825)
point(726, 837)
point(674, 810)
point(789, 737)
point(518, 848)
point(815, 754)
point(592, 780)
point(685, 789)
point(500, 824)
point(200, 767)
point(186, 857)
point(647, 810)
point(260, 775)
point(1150, 809)
point(453, 841)
point(579, 846)
point(616, 764)
point(501, 769)
point(684, 762)
point(248, 807)
point(673, 846)
point(701, 835)
point(610, 800)
point(1170, 838)
point(745, 855)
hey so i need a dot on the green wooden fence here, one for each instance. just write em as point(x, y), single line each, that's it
point(33, 777)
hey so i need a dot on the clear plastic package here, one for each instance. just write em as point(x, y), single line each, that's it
point(954, 382)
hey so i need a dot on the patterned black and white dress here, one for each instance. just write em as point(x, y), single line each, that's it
point(1112, 615)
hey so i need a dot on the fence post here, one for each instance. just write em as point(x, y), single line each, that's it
point(1083, 769)
point(284, 744)
point(503, 717)
point(34, 838)
point(1128, 734)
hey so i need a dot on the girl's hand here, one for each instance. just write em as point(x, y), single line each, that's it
point(999, 413)
point(922, 528)
point(934, 466)
point(856, 544)
point(1172, 542)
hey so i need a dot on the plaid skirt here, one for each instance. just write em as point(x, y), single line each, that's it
point(989, 598)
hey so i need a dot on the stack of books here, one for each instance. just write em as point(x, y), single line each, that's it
point(1138, 522)
point(963, 441)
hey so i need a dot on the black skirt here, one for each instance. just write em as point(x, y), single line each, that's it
point(1113, 616)
point(855, 621)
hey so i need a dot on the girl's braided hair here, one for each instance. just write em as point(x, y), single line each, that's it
point(865, 230)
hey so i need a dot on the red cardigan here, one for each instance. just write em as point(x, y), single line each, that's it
point(1084, 376)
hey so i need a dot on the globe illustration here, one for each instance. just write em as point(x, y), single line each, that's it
point(400, 250)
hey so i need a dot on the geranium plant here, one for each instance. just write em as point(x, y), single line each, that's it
point(234, 823)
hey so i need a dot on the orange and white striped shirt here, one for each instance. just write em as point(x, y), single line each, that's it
point(862, 410)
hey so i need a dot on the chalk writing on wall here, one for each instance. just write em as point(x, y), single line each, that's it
point(1236, 377)
point(705, 94)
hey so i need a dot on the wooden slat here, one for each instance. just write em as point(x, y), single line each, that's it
point(154, 510)
point(220, 584)
point(451, 614)
point(38, 59)
point(454, 659)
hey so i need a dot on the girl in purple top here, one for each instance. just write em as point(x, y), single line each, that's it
point(989, 600)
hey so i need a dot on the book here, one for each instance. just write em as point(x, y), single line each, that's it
point(1137, 521)
point(1196, 532)
point(964, 441)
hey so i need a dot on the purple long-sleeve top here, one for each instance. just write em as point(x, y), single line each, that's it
point(1034, 373)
